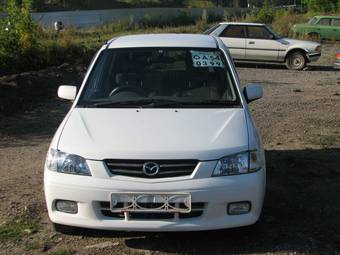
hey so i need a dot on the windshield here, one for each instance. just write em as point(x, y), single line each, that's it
point(159, 77)
point(276, 36)
point(210, 30)
point(312, 21)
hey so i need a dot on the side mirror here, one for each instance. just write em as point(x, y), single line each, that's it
point(253, 92)
point(67, 92)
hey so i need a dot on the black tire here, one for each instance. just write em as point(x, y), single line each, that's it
point(296, 60)
point(313, 36)
point(64, 229)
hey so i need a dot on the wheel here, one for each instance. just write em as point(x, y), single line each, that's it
point(64, 229)
point(296, 61)
point(313, 36)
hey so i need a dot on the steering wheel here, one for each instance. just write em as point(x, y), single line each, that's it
point(119, 89)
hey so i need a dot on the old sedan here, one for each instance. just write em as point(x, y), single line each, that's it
point(257, 42)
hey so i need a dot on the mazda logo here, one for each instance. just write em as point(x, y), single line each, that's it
point(150, 168)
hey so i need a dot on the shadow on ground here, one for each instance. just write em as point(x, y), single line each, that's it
point(29, 128)
point(310, 67)
point(300, 213)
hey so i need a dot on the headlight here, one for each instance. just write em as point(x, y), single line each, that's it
point(241, 163)
point(66, 163)
point(318, 48)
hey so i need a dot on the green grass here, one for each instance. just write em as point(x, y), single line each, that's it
point(14, 230)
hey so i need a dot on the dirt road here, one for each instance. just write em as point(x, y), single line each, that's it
point(299, 120)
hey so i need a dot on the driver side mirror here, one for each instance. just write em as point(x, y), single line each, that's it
point(67, 92)
point(253, 92)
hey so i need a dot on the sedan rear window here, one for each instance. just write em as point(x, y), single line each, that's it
point(258, 32)
point(234, 32)
point(336, 22)
point(325, 22)
point(160, 77)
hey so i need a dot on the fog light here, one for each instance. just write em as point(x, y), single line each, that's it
point(238, 208)
point(66, 206)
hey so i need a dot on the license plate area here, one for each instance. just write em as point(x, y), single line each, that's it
point(150, 202)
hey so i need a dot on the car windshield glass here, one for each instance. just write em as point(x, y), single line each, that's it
point(276, 36)
point(312, 21)
point(210, 30)
point(159, 77)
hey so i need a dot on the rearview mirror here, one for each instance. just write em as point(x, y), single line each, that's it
point(67, 92)
point(253, 92)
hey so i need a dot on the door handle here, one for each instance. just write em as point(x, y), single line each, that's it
point(251, 42)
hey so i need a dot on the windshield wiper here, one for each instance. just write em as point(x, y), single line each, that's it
point(132, 103)
point(156, 103)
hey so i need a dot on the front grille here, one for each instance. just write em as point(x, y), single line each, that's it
point(167, 168)
point(196, 211)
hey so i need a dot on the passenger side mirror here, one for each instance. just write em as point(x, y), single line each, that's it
point(67, 92)
point(253, 92)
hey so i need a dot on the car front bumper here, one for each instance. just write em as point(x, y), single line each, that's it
point(214, 192)
point(313, 56)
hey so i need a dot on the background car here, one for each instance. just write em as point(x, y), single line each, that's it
point(337, 59)
point(257, 42)
point(320, 27)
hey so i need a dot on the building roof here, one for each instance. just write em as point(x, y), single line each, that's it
point(164, 40)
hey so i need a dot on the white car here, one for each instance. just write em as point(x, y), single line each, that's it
point(159, 138)
point(257, 42)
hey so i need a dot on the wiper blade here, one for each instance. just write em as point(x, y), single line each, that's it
point(132, 103)
point(155, 103)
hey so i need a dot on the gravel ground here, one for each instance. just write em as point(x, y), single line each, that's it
point(299, 120)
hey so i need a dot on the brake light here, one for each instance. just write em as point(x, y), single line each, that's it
point(337, 55)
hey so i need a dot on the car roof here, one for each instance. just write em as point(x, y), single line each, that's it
point(242, 23)
point(326, 16)
point(164, 40)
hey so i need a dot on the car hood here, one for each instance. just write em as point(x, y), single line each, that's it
point(204, 134)
point(301, 43)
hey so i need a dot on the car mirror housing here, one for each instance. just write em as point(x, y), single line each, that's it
point(253, 92)
point(67, 92)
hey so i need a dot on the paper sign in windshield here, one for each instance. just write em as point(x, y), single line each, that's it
point(206, 59)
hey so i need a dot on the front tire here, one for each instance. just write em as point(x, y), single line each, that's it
point(296, 61)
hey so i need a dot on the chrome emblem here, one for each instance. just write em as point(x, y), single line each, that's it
point(150, 168)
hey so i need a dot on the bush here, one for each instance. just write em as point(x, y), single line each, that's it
point(266, 14)
point(323, 5)
point(18, 37)
point(284, 20)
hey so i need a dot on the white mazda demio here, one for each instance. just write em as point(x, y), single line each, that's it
point(159, 138)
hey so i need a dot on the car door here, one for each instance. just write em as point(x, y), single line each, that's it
point(261, 44)
point(336, 27)
point(324, 28)
point(233, 36)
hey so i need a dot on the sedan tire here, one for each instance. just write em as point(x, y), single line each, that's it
point(296, 61)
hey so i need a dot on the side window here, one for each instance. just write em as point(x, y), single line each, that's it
point(259, 32)
point(234, 32)
point(324, 22)
point(336, 22)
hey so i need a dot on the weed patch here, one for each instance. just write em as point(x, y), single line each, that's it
point(14, 230)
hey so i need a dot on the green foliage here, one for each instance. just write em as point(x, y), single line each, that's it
point(323, 5)
point(266, 13)
point(16, 229)
point(18, 36)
